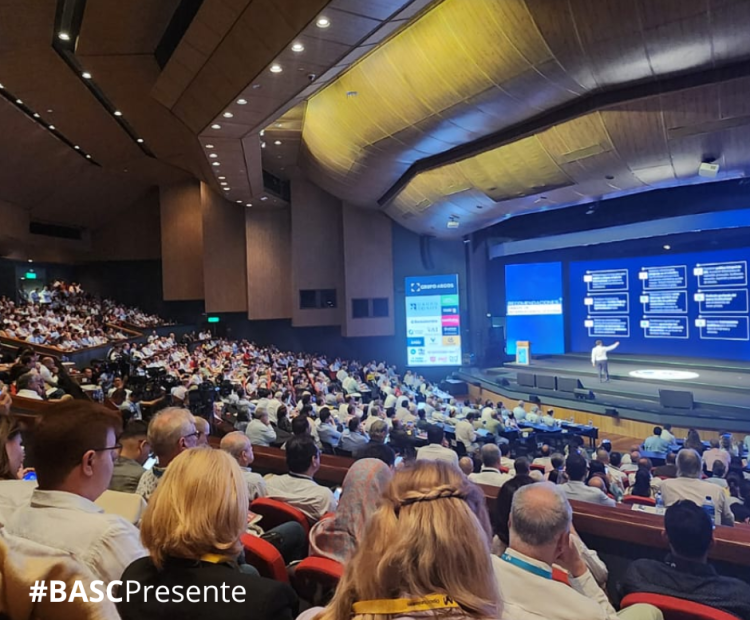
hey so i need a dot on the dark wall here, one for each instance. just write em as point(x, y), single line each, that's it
point(11, 270)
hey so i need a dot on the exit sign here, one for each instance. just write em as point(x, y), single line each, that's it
point(30, 275)
point(213, 319)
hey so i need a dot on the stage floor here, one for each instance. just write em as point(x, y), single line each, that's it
point(721, 390)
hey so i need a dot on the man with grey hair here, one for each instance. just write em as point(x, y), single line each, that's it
point(540, 522)
point(239, 447)
point(259, 431)
point(688, 485)
point(490, 473)
point(170, 432)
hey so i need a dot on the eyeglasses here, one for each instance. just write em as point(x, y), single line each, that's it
point(196, 434)
point(117, 446)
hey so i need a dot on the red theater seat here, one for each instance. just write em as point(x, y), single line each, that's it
point(637, 499)
point(676, 608)
point(505, 470)
point(537, 468)
point(315, 579)
point(265, 557)
point(275, 513)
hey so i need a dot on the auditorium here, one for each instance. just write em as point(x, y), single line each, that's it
point(375, 309)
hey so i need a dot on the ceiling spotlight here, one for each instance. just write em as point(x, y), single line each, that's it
point(223, 183)
point(228, 115)
point(36, 115)
point(276, 69)
point(213, 155)
point(667, 247)
point(52, 128)
point(323, 22)
point(298, 47)
point(216, 126)
point(216, 163)
point(241, 101)
point(262, 132)
point(1, 87)
point(86, 75)
point(264, 197)
point(19, 102)
point(118, 113)
point(63, 36)
point(77, 148)
point(139, 140)
point(88, 156)
point(239, 202)
point(31, 261)
point(249, 204)
point(278, 143)
point(222, 178)
point(262, 145)
point(209, 146)
point(226, 189)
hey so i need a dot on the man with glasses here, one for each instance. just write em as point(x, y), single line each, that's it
point(134, 453)
point(170, 432)
point(75, 449)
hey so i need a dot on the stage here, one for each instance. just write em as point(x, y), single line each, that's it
point(721, 389)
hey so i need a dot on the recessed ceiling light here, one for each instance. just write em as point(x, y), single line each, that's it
point(88, 156)
point(222, 178)
point(216, 126)
point(323, 22)
point(86, 75)
point(209, 146)
point(667, 247)
point(52, 127)
point(276, 69)
point(118, 113)
point(216, 163)
point(77, 148)
point(226, 189)
point(139, 140)
point(249, 204)
point(19, 102)
point(257, 86)
point(298, 47)
point(278, 143)
point(262, 132)
point(223, 183)
point(63, 36)
point(241, 101)
point(239, 202)
point(36, 115)
point(262, 145)
point(1, 87)
point(228, 115)
point(264, 197)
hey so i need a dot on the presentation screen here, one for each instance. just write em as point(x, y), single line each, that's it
point(433, 321)
point(534, 307)
point(693, 305)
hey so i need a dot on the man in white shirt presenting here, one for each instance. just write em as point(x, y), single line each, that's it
point(599, 359)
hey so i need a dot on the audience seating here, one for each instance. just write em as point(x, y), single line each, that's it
point(534, 467)
point(676, 608)
point(637, 499)
point(505, 470)
point(265, 558)
point(315, 579)
point(129, 506)
point(275, 513)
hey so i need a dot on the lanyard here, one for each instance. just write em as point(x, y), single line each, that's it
point(215, 558)
point(528, 567)
point(404, 605)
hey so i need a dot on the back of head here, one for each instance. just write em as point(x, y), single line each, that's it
point(545, 451)
point(300, 453)
point(199, 508)
point(689, 530)
point(378, 451)
point(378, 431)
point(719, 469)
point(503, 503)
point(671, 458)
point(490, 455)
point(65, 433)
point(602, 456)
point(557, 460)
point(324, 414)
point(353, 425)
point(408, 546)
point(714, 443)
point(688, 464)
point(300, 425)
point(642, 486)
point(657, 430)
point(504, 449)
point(615, 458)
point(234, 443)
point(167, 428)
point(435, 434)
point(576, 467)
point(539, 514)
point(521, 465)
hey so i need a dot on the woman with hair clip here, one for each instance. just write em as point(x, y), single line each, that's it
point(409, 562)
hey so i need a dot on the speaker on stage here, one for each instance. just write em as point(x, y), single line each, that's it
point(546, 382)
point(526, 379)
point(584, 394)
point(676, 399)
point(568, 384)
point(611, 411)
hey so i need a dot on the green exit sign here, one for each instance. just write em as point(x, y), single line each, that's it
point(30, 275)
point(213, 319)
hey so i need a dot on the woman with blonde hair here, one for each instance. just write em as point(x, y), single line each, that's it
point(192, 529)
point(426, 549)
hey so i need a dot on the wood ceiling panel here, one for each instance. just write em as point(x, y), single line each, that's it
point(691, 107)
point(729, 25)
point(25, 24)
point(375, 9)
point(346, 28)
point(734, 99)
point(637, 132)
point(685, 43)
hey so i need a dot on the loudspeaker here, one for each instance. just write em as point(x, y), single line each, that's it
point(676, 399)
point(546, 382)
point(533, 398)
point(584, 394)
point(425, 252)
point(611, 411)
point(504, 382)
point(568, 384)
point(526, 379)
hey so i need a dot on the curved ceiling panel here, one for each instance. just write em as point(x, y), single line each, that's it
point(470, 68)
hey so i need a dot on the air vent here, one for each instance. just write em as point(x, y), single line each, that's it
point(55, 230)
point(276, 186)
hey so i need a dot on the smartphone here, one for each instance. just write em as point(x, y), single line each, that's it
point(399, 460)
point(30, 475)
point(337, 493)
point(150, 462)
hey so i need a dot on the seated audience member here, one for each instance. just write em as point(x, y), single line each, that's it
point(353, 437)
point(549, 418)
point(617, 480)
point(297, 488)
point(741, 507)
point(75, 447)
point(29, 385)
point(642, 486)
point(379, 451)
point(519, 413)
point(327, 430)
point(435, 449)
point(693, 441)
point(557, 473)
point(490, 473)
point(395, 563)
point(505, 460)
point(259, 431)
point(688, 485)
point(686, 573)
point(544, 459)
point(203, 428)
point(238, 446)
point(466, 465)
point(715, 453)
point(718, 472)
point(598, 477)
point(11, 449)
point(522, 467)
point(337, 538)
point(533, 416)
point(192, 530)
point(134, 453)
point(669, 469)
point(170, 432)
point(540, 536)
point(656, 443)
point(465, 432)
point(666, 434)
point(576, 469)
point(630, 461)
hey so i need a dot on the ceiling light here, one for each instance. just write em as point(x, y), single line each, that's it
point(213, 155)
point(298, 47)
point(118, 113)
point(241, 101)
point(86, 75)
point(249, 204)
point(228, 115)
point(1, 87)
point(77, 148)
point(278, 143)
point(36, 115)
point(209, 146)
point(216, 126)
point(139, 140)
point(216, 163)
point(63, 36)
point(323, 22)
point(19, 102)
point(264, 197)
point(88, 156)
point(276, 69)
point(223, 183)
point(226, 189)
point(52, 128)
point(222, 178)
point(667, 247)
point(239, 202)
point(262, 132)
point(262, 145)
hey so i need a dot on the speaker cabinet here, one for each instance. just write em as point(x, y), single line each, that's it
point(546, 382)
point(526, 379)
point(568, 384)
point(676, 399)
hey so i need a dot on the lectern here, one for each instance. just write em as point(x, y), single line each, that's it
point(523, 352)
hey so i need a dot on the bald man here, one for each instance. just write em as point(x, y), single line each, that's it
point(239, 447)
point(202, 426)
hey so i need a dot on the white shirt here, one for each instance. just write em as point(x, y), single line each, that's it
point(599, 352)
point(491, 476)
point(665, 434)
point(436, 452)
point(260, 434)
point(179, 392)
point(256, 485)
point(303, 493)
point(390, 401)
point(527, 596)
point(577, 490)
point(675, 489)
point(14, 494)
point(31, 394)
point(60, 524)
point(465, 433)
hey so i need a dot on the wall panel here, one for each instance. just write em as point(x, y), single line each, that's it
point(269, 265)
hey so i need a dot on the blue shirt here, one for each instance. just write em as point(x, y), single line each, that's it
point(656, 444)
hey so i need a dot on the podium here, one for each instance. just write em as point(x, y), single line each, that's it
point(523, 352)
